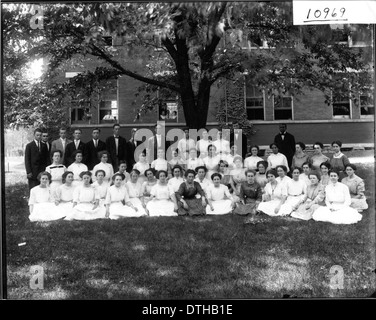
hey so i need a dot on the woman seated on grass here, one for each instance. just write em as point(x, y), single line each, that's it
point(225, 174)
point(276, 158)
point(219, 197)
point(337, 201)
point(77, 167)
point(339, 161)
point(105, 166)
point(250, 195)
point(175, 182)
point(296, 193)
point(176, 160)
point(274, 196)
point(315, 197)
point(160, 163)
point(304, 176)
point(204, 182)
point(56, 170)
point(356, 187)
point(122, 170)
point(250, 163)
point(190, 196)
point(148, 184)
point(101, 187)
point(118, 204)
point(135, 192)
point(162, 200)
point(41, 201)
point(260, 176)
point(317, 158)
point(282, 175)
point(324, 171)
point(142, 165)
point(237, 177)
point(64, 193)
point(85, 201)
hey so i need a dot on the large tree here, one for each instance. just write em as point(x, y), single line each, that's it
point(192, 46)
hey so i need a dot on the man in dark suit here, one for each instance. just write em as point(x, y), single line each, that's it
point(156, 142)
point(34, 163)
point(92, 148)
point(47, 149)
point(116, 147)
point(238, 138)
point(285, 142)
point(76, 144)
point(61, 143)
point(132, 144)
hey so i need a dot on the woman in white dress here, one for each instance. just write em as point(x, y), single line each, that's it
point(176, 160)
point(175, 182)
point(356, 187)
point(193, 162)
point(160, 163)
point(148, 184)
point(41, 202)
point(304, 176)
point(85, 201)
point(64, 194)
point(337, 201)
point(204, 182)
point(203, 144)
point(56, 170)
point(141, 165)
point(317, 158)
point(161, 198)
point(296, 193)
point(122, 170)
point(77, 167)
point(282, 175)
point(117, 201)
point(274, 196)
point(276, 158)
point(250, 163)
point(324, 171)
point(260, 176)
point(219, 198)
point(105, 166)
point(136, 197)
point(101, 187)
point(211, 161)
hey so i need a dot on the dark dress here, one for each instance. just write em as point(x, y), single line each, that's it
point(188, 193)
point(251, 195)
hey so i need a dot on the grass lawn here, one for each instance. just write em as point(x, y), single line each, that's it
point(187, 258)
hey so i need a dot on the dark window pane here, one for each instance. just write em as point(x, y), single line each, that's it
point(255, 114)
point(283, 114)
point(255, 103)
point(341, 108)
point(282, 102)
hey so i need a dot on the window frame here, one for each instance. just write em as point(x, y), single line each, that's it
point(262, 91)
point(283, 108)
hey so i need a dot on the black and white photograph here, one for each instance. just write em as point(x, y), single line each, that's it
point(188, 151)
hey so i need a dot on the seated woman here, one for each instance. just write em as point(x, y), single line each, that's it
point(148, 184)
point(204, 182)
point(304, 176)
point(161, 198)
point(175, 182)
point(338, 201)
point(193, 162)
point(142, 165)
point(296, 193)
point(315, 197)
point(324, 171)
point(211, 160)
point(300, 157)
point(56, 170)
point(225, 174)
point(282, 175)
point(250, 163)
point(85, 201)
point(101, 187)
point(118, 204)
point(219, 198)
point(160, 163)
point(260, 176)
point(41, 205)
point(135, 192)
point(339, 161)
point(190, 196)
point(356, 187)
point(274, 196)
point(237, 177)
point(176, 160)
point(123, 171)
point(105, 166)
point(77, 167)
point(64, 194)
point(250, 195)
point(317, 158)
point(276, 158)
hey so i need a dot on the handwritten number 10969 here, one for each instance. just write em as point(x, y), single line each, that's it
point(325, 13)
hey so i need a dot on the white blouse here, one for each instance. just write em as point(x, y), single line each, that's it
point(174, 184)
point(134, 189)
point(56, 171)
point(40, 195)
point(278, 159)
point(115, 194)
point(337, 193)
point(64, 193)
point(296, 188)
point(77, 168)
point(159, 164)
point(250, 163)
point(218, 193)
point(141, 166)
point(194, 163)
point(83, 194)
point(161, 192)
point(101, 188)
point(107, 168)
point(283, 181)
point(276, 191)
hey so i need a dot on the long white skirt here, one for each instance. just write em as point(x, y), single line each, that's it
point(119, 210)
point(138, 204)
point(290, 202)
point(54, 185)
point(220, 207)
point(345, 215)
point(84, 211)
point(161, 207)
point(66, 207)
point(268, 207)
point(46, 211)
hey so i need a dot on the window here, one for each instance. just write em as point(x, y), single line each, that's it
point(341, 105)
point(367, 108)
point(108, 111)
point(254, 103)
point(282, 107)
point(79, 112)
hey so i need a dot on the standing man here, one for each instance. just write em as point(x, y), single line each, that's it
point(71, 147)
point(222, 145)
point(285, 142)
point(116, 147)
point(46, 149)
point(34, 163)
point(239, 139)
point(156, 142)
point(185, 145)
point(61, 143)
point(92, 148)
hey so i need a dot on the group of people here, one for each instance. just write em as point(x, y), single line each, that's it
point(103, 180)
